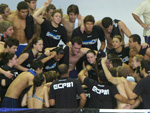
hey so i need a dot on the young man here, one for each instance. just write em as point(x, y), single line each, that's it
point(4, 11)
point(143, 10)
point(111, 28)
point(48, 12)
point(32, 6)
point(6, 30)
point(51, 32)
point(135, 43)
point(122, 72)
point(51, 62)
point(9, 61)
point(141, 88)
point(91, 34)
point(19, 20)
point(63, 91)
point(72, 20)
point(75, 53)
point(22, 81)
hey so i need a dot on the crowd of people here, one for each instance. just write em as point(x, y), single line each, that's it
point(37, 71)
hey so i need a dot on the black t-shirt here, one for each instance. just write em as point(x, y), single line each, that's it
point(143, 51)
point(101, 94)
point(7, 80)
point(142, 89)
point(124, 54)
point(28, 61)
point(51, 35)
point(50, 65)
point(90, 40)
point(64, 92)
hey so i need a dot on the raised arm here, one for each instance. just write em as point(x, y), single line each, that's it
point(110, 78)
point(37, 14)
point(124, 28)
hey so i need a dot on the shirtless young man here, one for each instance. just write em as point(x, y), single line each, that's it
point(118, 81)
point(22, 81)
point(75, 53)
point(72, 20)
point(111, 28)
point(32, 5)
point(19, 20)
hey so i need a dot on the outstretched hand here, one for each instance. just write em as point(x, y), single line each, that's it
point(88, 67)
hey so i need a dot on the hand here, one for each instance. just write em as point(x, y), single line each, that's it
point(145, 45)
point(127, 106)
point(88, 67)
point(145, 26)
point(47, 52)
point(123, 79)
point(53, 53)
point(82, 28)
point(8, 74)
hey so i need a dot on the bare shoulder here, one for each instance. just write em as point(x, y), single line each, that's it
point(11, 17)
point(98, 23)
point(84, 50)
point(24, 56)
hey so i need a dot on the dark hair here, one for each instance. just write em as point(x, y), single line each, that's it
point(29, 0)
point(11, 42)
point(30, 45)
point(22, 5)
point(37, 64)
point(2, 8)
point(57, 11)
point(102, 76)
point(116, 62)
point(59, 50)
point(146, 64)
point(136, 38)
point(5, 57)
point(37, 81)
point(123, 71)
point(50, 6)
point(73, 9)
point(89, 18)
point(111, 56)
point(5, 25)
point(50, 76)
point(77, 40)
point(118, 37)
point(62, 69)
point(113, 72)
point(91, 51)
point(106, 22)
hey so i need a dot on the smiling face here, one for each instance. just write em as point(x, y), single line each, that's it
point(39, 45)
point(56, 18)
point(91, 58)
